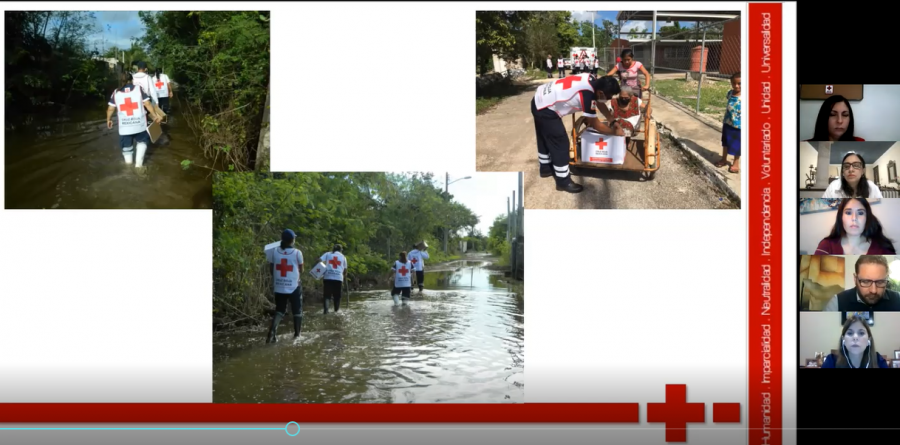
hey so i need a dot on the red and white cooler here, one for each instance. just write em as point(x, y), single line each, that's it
point(599, 148)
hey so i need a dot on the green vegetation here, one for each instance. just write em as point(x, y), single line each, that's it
point(531, 35)
point(220, 62)
point(373, 215)
point(49, 65)
point(713, 95)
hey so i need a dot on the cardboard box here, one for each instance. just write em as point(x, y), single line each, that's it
point(318, 271)
point(599, 148)
point(271, 246)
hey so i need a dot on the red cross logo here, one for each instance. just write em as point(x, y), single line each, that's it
point(567, 82)
point(159, 84)
point(403, 270)
point(284, 267)
point(676, 413)
point(414, 261)
point(601, 144)
point(128, 107)
point(334, 262)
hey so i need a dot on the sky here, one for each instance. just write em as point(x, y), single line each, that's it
point(123, 25)
point(484, 193)
point(599, 16)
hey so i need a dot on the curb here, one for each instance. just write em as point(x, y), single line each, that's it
point(711, 170)
point(703, 119)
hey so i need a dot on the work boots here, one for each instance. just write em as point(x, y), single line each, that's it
point(298, 322)
point(273, 330)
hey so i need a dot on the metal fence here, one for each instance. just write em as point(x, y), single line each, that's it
point(692, 66)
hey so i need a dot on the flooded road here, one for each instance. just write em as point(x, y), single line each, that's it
point(461, 341)
point(75, 162)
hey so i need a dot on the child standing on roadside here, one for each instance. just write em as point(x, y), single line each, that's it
point(731, 127)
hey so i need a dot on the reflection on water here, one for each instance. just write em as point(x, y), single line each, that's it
point(464, 344)
point(76, 163)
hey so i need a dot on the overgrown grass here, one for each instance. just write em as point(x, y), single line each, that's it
point(713, 94)
point(517, 287)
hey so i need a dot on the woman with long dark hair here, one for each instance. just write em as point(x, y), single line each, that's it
point(628, 70)
point(835, 121)
point(856, 231)
point(853, 182)
point(856, 348)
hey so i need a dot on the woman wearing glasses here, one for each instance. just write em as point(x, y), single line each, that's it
point(853, 182)
point(856, 231)
point(857, 347)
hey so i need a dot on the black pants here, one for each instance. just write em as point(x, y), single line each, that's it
point(164, 104)
point(332, 290)
point(281, 301)
point(562, 72)
point(420, 278)
point(549, 73)
point(402, 291)
point(553, 144)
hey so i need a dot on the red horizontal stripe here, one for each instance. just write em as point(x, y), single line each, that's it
point(317, 413)
point(727, 412)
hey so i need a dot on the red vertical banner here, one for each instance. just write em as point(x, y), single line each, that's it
point(763, 95)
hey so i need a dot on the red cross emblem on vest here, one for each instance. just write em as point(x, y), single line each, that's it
point(567, 82)
point(128, 107)
point(601, 144)
point(284, 267)
point(334, 262)
point(159, 84)
point(403, 270)
point(414, 261)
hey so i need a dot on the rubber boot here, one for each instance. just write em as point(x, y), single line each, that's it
point(128, 154)
point(396, 300)
point(298, 322)
point(405, 301)
point(336, 304)
point(325, 304)
point(139, 156)
point(273, 330)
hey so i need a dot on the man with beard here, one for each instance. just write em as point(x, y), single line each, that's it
point(871, 292)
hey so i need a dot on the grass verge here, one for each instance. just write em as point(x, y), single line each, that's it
point(713, 95)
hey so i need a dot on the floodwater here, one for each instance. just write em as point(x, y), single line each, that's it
point(75, 162)
point(461, 341)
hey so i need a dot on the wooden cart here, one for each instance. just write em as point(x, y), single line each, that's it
point(642, 148)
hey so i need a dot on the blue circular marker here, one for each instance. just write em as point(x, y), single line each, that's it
point(288, 432)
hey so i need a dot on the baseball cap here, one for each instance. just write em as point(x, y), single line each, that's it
point(288, 233)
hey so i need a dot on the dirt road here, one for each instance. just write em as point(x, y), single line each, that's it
point(505, 141)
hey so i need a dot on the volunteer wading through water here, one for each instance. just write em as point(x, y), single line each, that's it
point(287, 265)
point(402, 271)
point(335, 273)
point(143, 79)
point(132, 120)
point(163, 89)
point(418, 256)
point(554, 100)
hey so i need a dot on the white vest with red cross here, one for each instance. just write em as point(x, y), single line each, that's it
point(161, 85)
point(562, 95)
point(559, 63)
point(335, 263)
point(287, 269)
point(403, 274)
point(130, 111)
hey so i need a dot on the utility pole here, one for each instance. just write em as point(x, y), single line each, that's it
point(593, 35)
point(447, 191)
point(508, 220)
point(521, 217)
